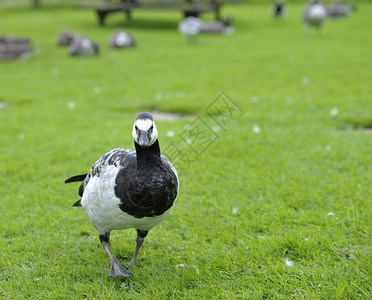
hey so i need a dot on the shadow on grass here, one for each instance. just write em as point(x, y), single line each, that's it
point(361, 124)
point(146, 23)
point(183, 111)
point(146, 20)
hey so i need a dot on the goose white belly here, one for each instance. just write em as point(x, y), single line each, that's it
point(102, 206)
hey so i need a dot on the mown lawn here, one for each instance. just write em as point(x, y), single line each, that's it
point(276, 203)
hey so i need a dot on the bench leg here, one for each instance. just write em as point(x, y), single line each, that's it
point(101, 17)
point(218, 14)
point(128, 14)
point(217, 11)
point(191, 13)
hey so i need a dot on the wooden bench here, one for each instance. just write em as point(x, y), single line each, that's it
point(188, 7)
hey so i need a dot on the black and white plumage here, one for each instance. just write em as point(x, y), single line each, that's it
point(65, 38)
point(83, 46)
point(129, 189)
point(278, 9)
point(122, 39)
point(340, 10)
point(190, 27)
point(315, 13)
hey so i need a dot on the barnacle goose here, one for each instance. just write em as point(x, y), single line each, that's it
point(218, 26)
point(315, 13)
point(190, 27)
point(129, 189)
point(122, 39)
point(83, 46)
point(65, 38)
point(340, 10)
point(278, 9)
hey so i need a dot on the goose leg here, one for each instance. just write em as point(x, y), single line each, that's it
point(115, 268)
point(140, 238)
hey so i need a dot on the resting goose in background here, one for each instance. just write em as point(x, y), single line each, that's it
point(340, 10)
point(314, 14)
point(129, 189)
point(218, 27)
point(122, 39)
point(83, 46)
point(278, 9)
point(65, 38)
point(190, 27)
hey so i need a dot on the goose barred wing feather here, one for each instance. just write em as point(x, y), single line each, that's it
point(114, 157)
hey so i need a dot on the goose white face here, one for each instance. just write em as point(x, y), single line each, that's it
point(144, 132)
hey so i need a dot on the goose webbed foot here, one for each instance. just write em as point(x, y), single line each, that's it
point(117, 270)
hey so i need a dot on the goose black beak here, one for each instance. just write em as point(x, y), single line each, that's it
point(143, 140)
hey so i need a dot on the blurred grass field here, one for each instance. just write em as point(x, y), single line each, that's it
point(279, 205)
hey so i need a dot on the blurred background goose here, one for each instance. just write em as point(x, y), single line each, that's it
point(218, 26)
point(83, 46)
point(314, 14)
point(122, 39)
point(278, 9)
point(65, 38)
point(190, 27)
point(340, 10)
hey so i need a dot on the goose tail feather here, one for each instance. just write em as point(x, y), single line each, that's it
point(76, 178)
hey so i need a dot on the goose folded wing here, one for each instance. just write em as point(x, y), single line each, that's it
point(114, 157)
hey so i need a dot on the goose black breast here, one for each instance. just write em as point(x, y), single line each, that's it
point(145, 193)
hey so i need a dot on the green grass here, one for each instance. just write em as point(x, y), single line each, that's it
point(247, 203)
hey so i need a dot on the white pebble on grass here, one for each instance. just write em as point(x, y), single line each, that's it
point(305, 80)
point(256, 128)
point(54, 71)
point(254, 99)
point(170, 133)
point(196, 268)
point(71, 105)
point(235, 210)
point(288, 263)
point(216, 128)
point(184, 266)
point(158, 96)
point(334, 112)
point(96, 90)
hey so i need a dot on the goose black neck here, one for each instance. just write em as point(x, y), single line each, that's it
point(148, 156)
